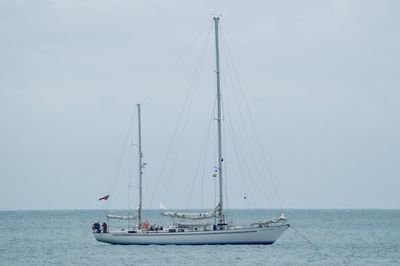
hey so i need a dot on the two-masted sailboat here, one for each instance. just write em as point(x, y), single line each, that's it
point(195, 228)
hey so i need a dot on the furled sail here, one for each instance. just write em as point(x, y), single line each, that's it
point(189, 215)
point(192, 215)
point(275, 220)
point(121, 217)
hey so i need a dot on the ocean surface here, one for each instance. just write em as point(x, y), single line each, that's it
point(338, 237)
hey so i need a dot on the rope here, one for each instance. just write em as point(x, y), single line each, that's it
point(158, 83)
point(187, 97)
point(305, 238)
point(203, 154)
point(231, 135)
point(241, 161)
point(192, 89)
point(252, 123)
point(247, 138)
point(204, 159)
point(113, 182)
point(240, 167)
point(309, 242)
point(155, 86)
point(224, 153)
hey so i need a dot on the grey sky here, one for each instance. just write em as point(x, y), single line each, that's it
point(322, 79)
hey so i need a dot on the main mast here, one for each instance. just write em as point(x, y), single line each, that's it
point(219, 119)
point(140, 168)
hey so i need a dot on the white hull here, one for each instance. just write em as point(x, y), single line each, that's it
point(265, 235)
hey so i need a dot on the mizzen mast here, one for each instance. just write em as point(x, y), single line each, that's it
point(140, 168)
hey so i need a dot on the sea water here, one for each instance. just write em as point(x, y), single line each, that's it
point(336, 237)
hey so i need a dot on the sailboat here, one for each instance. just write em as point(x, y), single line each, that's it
point(194, 228)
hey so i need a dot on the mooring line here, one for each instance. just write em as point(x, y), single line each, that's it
point(318, 249)
point(291, 226)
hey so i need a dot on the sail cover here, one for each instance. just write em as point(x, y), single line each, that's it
point(189, 215)
point(275, 220)
point(192, 215)
point(121, 217)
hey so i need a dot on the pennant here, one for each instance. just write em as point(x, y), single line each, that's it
point(105, 197)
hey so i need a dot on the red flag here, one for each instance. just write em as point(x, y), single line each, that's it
point(105, 197)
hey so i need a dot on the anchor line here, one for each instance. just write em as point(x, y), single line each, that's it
point(291, 226)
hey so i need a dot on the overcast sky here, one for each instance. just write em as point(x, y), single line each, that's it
point(322, 80)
